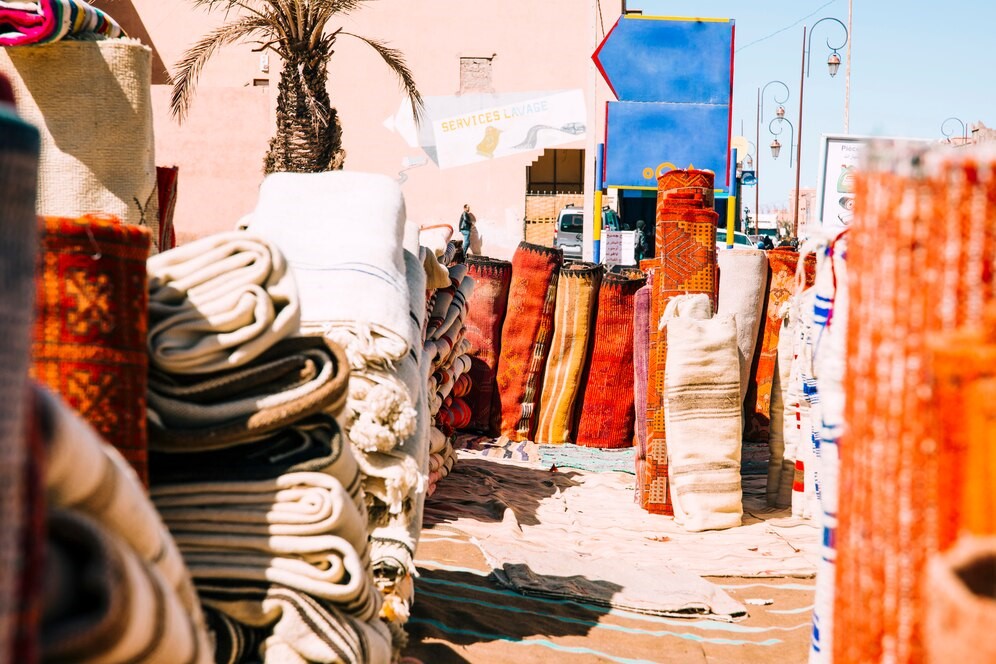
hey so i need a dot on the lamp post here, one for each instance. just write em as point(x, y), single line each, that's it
point(833, 64)
point(948, 134)
point(757, 137)
point(775, 145)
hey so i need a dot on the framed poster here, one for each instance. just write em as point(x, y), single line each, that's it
point(839, 158)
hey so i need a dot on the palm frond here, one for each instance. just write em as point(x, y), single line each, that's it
point(396, 61)
point(188, 69)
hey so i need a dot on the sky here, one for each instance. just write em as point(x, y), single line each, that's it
point(914, 63)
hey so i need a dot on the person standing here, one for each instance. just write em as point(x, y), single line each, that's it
point(466, 226)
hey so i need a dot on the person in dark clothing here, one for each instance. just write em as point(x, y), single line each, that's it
point(642, 246)
point(466, 225)
point(766, 243)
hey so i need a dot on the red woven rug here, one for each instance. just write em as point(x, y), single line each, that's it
point(781, 285)
point(92, 319)
point(166, 183)
point(687, 265)
point(607, 412)
point(525, 337)
point(894, 466)
point(485, 316)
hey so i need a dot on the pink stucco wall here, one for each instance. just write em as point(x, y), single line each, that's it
point(538, 46)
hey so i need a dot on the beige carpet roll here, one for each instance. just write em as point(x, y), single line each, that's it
point(703, 420)
point(86, 166)
point(743, 277)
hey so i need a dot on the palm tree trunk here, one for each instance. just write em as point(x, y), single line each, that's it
point(308, 137)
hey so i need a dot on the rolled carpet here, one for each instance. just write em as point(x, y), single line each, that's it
point(44, 21)
point(641, 363)
point(166, 183)
point(781, 285)
point(343, 234)
point(485, 317)
point(781, 471)
point(892, 470)
point(607, 410)
point(742, 281)
point(219, 303)
point(686, 265)
point(88, 476)
point(89, 341)
point(113, 170)
point(295, 379)
point(829, 354)
point(959, 584)
point(573, 322)
point(525, 337)
point(19, 146)
point(106, 603)
point(704, 423)
point(302, 629)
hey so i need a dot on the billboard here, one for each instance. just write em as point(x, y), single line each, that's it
point(839, 159)
point(645, 139)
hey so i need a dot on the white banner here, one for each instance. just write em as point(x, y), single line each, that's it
point(512, 128)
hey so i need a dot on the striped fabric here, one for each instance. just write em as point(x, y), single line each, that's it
point(641, 364)
point(44, 21)
point(526, 336)
point(485, 316)
point(607, 412)
point(573, 331)
point(895, 471)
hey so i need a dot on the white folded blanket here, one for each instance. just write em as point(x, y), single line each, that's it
point(218, 303)
point(343, 235)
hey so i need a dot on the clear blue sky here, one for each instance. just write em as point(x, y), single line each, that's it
point(914, 63)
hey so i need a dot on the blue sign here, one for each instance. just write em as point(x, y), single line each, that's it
point(653, 58)
point(644, 140)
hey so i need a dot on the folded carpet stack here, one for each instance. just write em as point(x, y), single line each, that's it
point(19, 146)
point(91, 326)
point(447, 349)
point(110, 171)
point(44, 21)
point(607, 409)
point(120, 590)
point(525, 337)
point(703, 417)
point(685, 264)
point(485, 318)
point(829, 354)
point(345, 233)
point(894, 468)
point(567, 362)
point(249, 467)
point(442, 458)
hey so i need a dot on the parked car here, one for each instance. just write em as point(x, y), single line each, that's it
point(568, 234)
point(740, 240)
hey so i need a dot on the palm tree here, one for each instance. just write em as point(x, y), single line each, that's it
point(308, 136)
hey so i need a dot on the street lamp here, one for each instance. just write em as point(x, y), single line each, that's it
point(760, 117)
point(833, 63)
point(775, 145)
point(948, 134)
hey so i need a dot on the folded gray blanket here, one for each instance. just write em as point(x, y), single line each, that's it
point(105, 603)
point(219, 302)
point(296, 378)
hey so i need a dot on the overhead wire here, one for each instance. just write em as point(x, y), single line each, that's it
point(787, 27)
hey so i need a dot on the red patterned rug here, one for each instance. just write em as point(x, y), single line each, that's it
point(92, 320)
point(485, 316)
point(525, 337)
point(607, 412)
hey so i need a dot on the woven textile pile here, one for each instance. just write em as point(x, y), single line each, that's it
point(685, 264)
point(485, 317)
point(899, 471)
point(446, 354)
point(249, 468)
point(573, 334)
point(345, 233)
point(44, 21)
